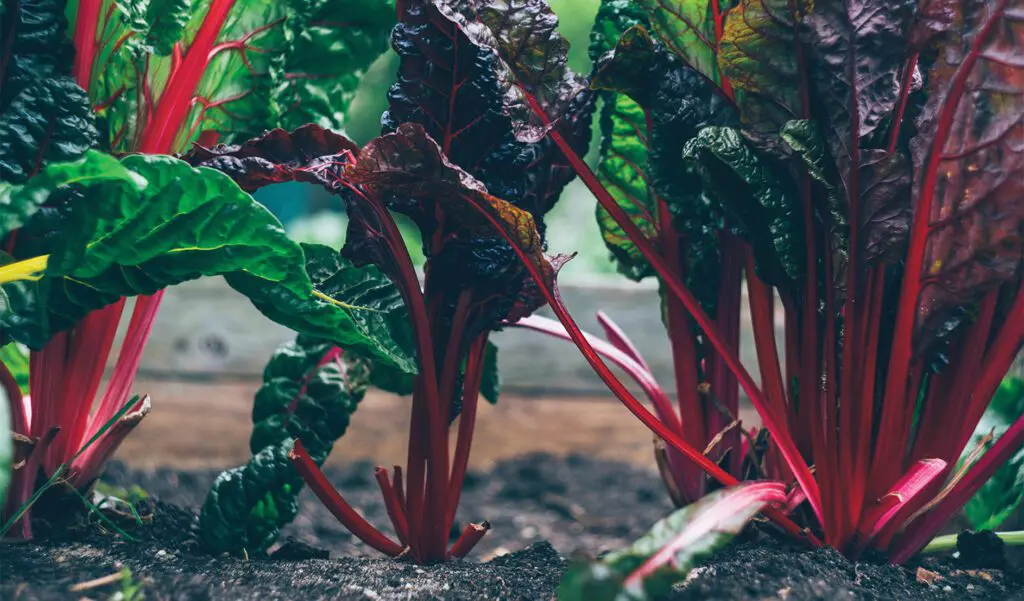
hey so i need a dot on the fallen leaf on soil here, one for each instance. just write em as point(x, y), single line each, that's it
point(927, 576)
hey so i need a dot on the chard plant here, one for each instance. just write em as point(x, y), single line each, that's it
point(859, 163)
point(95, 94)
point(462, 157)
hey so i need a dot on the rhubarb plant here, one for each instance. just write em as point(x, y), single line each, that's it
point(859, 164)
point(85, 84)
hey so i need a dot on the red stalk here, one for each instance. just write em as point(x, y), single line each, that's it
point(902, 345)
point(618, 338)
point(467, 421)
point(768, 417)
point(901, 106)
point(89, 348)
point(551, 295)
point(893, 506)
point(337, 505)
point(176, 100)
point(85, 41)
point(468, 539)
point(684, 359)
point(392, 504)
point(929, 525)
point(763, 322)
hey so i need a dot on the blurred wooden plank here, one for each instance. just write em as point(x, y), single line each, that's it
point(207, 425)
point(207, 331)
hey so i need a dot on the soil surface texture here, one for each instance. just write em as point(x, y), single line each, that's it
point(543, 509)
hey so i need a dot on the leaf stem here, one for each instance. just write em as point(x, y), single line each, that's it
point(28, 269)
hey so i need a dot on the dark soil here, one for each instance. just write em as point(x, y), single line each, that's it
point(541, 508)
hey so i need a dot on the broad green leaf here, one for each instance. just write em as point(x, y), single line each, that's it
point(329, 45)
point(15, 357)
point(623, 165)
point(648, 568)
point(308, 393)
point(680, 103)
point(759, 55)
point(762, 208)
point(1003, 493)
point(116, 239)
point(19, 202)
point(44, 116)
point(380, 332)
point(687, 28)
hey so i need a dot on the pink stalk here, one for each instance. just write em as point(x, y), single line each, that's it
point(90, 463)
point(922, 530)
point(768, 416)
point(900, 497)
point(618, 338)
point(119, 387)
point(659, 399)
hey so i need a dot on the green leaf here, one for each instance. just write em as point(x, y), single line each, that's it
point(117, 239)
point(161, 23)
point(329, 46)
point(674, 546)
point(766, 212)
point(687, 28)
point(309, 392)
point(19, 202)
point(44, 115)
point(490, 384)
point(758, 53)
point(623, 164)
point(15, 357)
point(380, 332)
point(680, 103)
point(1003, 493)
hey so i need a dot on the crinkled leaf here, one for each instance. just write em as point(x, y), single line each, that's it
point(680, 102)
point(622, 168)
point(674, 546)
point(490, 384)
point(117, 239)
point(329, 46)
point(758, 54)
point(766, 213)
point(687, 28)
point(1003, 493)
point(969, 161)
point(306, 394)
point(19, 202)
point(526, 32)
point(275, 157)
point(409, 171)
point(44, 116)
point(377, 330)
point(885, 209)
point(859, 47)
point(161, 23)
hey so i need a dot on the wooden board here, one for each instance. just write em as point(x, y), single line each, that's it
point(207, 331)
